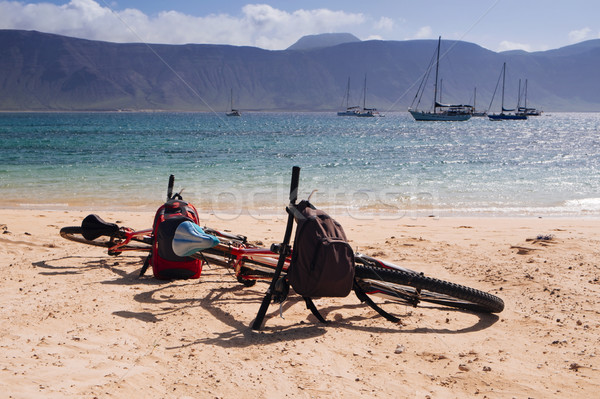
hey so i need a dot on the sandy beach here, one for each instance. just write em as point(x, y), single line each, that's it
point(75, 322)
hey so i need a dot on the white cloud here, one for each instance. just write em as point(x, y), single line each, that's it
point(506, 46)
point(424, 32)
point(373, 37)
point(273, 28)
point(385, 23)
point(260, 24)
point(580, 35)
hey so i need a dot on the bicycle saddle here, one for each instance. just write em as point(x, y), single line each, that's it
point(93, 227)
point(189, 238)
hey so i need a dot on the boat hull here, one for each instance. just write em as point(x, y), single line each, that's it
point(511, 117)
point(439, 116)
point(233, 112)
point(367, 114)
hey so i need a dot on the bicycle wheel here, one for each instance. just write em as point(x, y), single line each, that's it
point(412, 288)
point(75, 233)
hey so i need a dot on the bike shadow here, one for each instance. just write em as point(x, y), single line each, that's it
point(81, 264)
point(484, 320)
point(216, 300)
point(241, 335)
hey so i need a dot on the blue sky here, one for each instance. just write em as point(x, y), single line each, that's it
point(498, 25)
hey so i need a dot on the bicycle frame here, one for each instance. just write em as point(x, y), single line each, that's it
point(121, 243)
point(262, 259)
point(248, 262)
point(265, 261)
point(262, 262)
point(235, 252)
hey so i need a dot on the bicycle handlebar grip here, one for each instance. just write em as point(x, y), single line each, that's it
point(294, 184)
point(170, 187)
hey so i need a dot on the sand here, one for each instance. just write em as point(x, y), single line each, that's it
point(75, 322)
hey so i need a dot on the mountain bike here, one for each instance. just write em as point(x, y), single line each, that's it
point(380, 284)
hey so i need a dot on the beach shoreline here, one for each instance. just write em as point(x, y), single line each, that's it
point(76, 322)
point(274, 212)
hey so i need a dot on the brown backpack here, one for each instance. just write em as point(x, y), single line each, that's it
point(322, 262)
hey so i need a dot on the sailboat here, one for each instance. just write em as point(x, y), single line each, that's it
point(441, 112)
point(502, 115)
point(527, 110)
point(366, 112)
point(350, 110)
point(233, 111)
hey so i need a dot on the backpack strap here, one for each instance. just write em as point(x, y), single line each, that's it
point(363, 297)
point(310, 305)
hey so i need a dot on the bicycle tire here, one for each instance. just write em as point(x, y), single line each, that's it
point(75, 233)
point(412, 288)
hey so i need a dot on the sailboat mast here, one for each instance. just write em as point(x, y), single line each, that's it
point(348, 93)
point(437, 67)
point(519, 96)
point(503, 80)
point(525, 94)
point(365, 93)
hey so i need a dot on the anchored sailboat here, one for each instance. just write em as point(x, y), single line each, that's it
point(528, 110)
point(441, 112)
point(502, 115)
point(232, 111)
point(368, 112)
point(350, 110)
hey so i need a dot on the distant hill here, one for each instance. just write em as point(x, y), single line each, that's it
point(44, 72)
point(323, 40)
point(574, 49)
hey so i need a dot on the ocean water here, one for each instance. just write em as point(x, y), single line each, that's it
point(390, 166)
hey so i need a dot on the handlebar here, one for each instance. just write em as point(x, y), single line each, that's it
point(170, 187)
point(294, 184)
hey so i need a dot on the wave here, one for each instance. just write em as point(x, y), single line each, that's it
point(584, 204)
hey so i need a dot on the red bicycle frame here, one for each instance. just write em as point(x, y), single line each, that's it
point(124, 238)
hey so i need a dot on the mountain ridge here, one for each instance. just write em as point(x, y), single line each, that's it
point(47, 72)
point(323, 40)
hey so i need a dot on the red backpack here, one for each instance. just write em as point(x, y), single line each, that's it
point(181, 217)
point(165, 263)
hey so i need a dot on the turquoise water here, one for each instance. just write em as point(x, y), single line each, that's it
point(548, 165)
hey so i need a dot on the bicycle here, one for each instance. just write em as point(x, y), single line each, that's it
point(374, 278)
